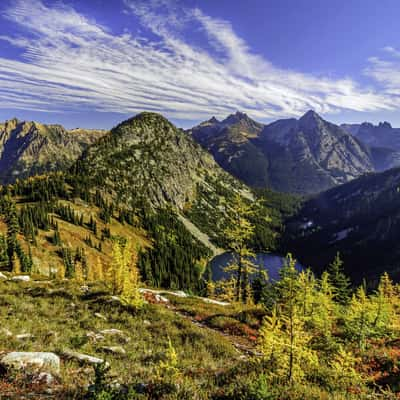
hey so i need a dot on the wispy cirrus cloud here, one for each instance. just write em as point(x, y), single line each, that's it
point(70, 62)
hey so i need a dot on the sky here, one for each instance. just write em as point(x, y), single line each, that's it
point(93, 63)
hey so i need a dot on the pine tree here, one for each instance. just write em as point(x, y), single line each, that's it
point(339, 281)
point(12, 231)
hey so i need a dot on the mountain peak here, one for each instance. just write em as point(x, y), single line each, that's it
point(385, 125)
point(213, 120)
point(310, 114)
point(235, 118)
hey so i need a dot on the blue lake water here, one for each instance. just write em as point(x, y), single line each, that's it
point(272, 263)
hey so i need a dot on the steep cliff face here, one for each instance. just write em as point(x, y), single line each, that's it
point(30, 148)
point(149, 156)
point(300, 156)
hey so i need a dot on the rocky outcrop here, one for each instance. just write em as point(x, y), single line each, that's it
point(33, 361)
point(31, 148)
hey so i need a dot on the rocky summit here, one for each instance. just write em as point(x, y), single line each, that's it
point(148, 155)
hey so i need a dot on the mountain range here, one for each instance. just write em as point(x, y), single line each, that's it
point(302, 156)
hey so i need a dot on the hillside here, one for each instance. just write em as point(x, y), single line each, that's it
point(360, 219)
point(301, 156)
point(147, 182)
point(31, 148)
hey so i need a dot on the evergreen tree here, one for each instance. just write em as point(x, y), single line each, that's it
point(12, 231)
point(339, 281)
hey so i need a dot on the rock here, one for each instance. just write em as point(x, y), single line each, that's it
point(24, 336)
point(161, 299)
point(2, 276)
point(117, 350)
point(180, 293)
point(83, 358)
point(146, 322)
point(42, 361)
point(95, 336)
point(101, 316)
point(44, 378)
point(21, 278)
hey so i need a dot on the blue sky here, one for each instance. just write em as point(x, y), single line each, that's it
point(92, 63)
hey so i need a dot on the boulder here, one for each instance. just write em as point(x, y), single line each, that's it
point(83, 358)
point(24, 336)
point(42, 361)
point(21, 278)
point(116, 350)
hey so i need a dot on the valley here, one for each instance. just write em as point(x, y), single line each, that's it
point(131, 238)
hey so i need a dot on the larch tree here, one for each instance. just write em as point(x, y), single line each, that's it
point(293, 340)
point(238, 234)
point(359, 317)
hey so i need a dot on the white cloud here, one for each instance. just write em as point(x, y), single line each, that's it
point(386, 72)
point(73, 63)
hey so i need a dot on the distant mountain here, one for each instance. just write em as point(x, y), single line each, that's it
point(383, 139)
point(230, 142)
point(298, 156)
point(360, 219)
point(30, 148)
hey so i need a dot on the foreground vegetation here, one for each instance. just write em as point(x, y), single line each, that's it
point(299, 347)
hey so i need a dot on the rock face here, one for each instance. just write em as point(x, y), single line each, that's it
point(300, 156)
point(148, 155)
point(383, 139)
point(37, 361)
point(30, 148)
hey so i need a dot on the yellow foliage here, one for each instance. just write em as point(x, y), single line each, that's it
point(79, 276)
